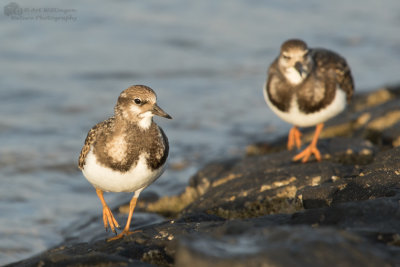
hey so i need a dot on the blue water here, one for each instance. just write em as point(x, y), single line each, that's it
point(207, 62)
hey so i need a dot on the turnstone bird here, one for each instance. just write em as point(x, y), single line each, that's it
point(306, 87)
point(126, 152)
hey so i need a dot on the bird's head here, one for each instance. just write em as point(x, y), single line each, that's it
point(295, 61)
point(138, 104)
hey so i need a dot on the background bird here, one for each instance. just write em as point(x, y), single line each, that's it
point(306, 87)
point(126, 152)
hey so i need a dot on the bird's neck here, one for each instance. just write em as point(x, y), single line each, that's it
point(143, 123)
point(145, 120)
point(293, 76)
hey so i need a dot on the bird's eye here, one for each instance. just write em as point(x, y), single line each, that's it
point(138, 101)
point(286, 57)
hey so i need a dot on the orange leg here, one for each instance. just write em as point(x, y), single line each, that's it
point(108, 217)
point(312, 148)
point(132, 205)
point(294, 138)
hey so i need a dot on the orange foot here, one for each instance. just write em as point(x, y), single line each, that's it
point(108, 217)
point(109, 220)
point(126, 232)
point(306, 153)
point(312, 148)
point(294, 138)
point(122, 234)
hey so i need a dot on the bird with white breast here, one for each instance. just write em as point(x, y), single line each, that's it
point(306, 87)
point(127, 152)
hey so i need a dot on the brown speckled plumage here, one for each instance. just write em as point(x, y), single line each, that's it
point(152, 141)
point(119, 141)
point(318, 89)
point(90, 139)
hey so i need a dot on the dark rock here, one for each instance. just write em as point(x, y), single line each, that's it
point(271, 183)
point(360, 216)
point(84, 255)
point(379, 179)
point(282, 246)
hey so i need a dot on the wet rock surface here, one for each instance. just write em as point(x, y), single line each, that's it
point(265, 210)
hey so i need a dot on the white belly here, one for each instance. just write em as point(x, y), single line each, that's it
point(138, 177)
point(298, 118)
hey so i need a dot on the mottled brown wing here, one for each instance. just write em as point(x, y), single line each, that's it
point(91, 138)
point(327, 59)
point(345, 79)
point(278, 90)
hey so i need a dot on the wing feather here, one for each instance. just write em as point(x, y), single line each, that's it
point(91, 139)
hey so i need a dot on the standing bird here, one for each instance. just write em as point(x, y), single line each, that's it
point(306, 87)
point(127, 152)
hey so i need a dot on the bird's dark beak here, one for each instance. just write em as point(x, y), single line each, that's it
point(299, 67)
point(159, 112)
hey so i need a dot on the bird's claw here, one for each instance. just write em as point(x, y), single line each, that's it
point(109, 220)
point(122, 234)
point(306, 153)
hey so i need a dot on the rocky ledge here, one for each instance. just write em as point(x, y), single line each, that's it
point(265, 210)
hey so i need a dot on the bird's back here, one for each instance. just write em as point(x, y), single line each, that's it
point(327, 60)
